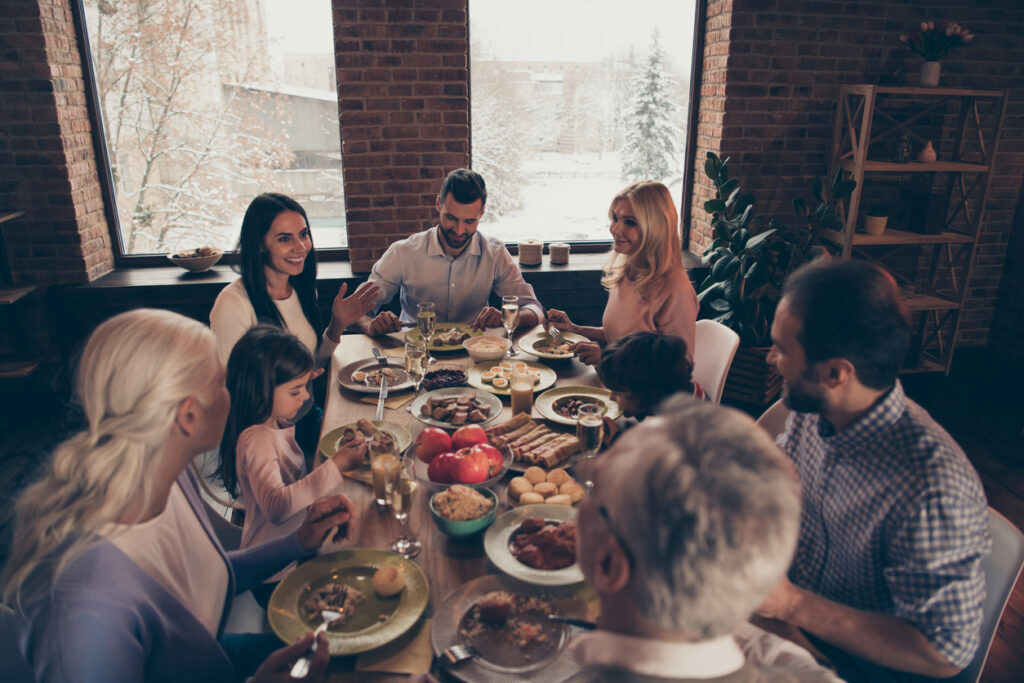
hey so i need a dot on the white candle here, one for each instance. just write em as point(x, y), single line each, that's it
point(559, 253)
point(530, 252)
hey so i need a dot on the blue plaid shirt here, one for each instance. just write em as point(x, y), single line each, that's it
point(894, 520)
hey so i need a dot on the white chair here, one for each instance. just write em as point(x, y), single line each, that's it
point(1002, 568)
point(713, 352)
point(774, 419)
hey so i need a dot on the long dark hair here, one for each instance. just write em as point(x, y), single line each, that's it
point(261, 213)
point(263, 359)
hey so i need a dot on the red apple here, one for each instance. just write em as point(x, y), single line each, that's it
point(442, 468)
point(492, 456)
point(470, 435)
point(431, 442)
point(471, 469)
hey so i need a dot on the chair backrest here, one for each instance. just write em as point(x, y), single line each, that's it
point(1002, 568)
point(713, 352)
point(14, 667)
point(774, 419)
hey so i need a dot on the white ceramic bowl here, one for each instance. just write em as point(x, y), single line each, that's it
point(493, 350)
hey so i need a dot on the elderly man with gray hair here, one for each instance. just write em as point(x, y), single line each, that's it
point(692, 521)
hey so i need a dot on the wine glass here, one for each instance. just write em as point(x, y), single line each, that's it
point(416, 366)
point(590, 432)
point(401, 500)
point(510, 320)
point(426, 322)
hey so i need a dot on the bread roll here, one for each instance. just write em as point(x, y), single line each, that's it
point(530, 497)
point(558, 476)
point(572, 489)
point(545, 488)
point(535, 475)
point(518, 486)
point(560, 499)
point(388, 580)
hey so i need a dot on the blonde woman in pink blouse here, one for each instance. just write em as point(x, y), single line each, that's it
point(648, 289)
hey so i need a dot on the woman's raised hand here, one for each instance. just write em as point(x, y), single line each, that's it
point(560, 320)
point(348, 310)
point(350, 456)
point(332, 513)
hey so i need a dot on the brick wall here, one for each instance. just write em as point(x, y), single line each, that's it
point(403, 98)
point(47, 161)
point(785, 62)
point(1007, 335)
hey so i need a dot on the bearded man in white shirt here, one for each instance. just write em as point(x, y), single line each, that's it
point(692, 520)
point(451, 265)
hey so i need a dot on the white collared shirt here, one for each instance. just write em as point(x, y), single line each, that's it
point(418, 268)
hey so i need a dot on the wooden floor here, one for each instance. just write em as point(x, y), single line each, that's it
point(980, 404)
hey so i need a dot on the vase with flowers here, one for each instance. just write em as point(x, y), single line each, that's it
point(933, 42)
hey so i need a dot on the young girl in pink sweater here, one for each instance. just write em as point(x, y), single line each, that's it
point(267, 374)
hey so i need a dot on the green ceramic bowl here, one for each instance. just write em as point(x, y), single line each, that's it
point(469, 527)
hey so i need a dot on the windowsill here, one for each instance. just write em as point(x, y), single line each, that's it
point(327, 272)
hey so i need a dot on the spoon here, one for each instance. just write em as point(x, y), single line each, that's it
point(301, 667)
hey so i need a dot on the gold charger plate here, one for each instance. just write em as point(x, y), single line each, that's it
point(414, 336)
point(355, 568)
point(547, 376)
point(527, 342)
point(329, 441)
point(544, 402)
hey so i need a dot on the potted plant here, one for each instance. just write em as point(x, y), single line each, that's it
point(934, 42)
point(875, 219)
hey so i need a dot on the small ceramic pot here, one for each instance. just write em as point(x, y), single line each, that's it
point(930, 74)
point(927, 154)
point(875, 225)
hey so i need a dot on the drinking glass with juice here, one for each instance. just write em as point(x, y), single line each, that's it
point(521, 392)
point(384, 468)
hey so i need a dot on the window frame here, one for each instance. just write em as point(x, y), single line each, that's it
point(99, 143)
point(689, 155)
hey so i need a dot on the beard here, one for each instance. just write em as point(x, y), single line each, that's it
point(453, 240)
point(804, 395)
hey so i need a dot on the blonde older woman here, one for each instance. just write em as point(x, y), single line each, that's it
point(115, 572)
point(648, 289)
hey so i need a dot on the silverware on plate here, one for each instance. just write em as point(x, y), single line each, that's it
point(457, 654)
point(301, 667)
point(382, 396)
point(579, 623)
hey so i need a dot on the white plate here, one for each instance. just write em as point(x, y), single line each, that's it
point(484, 397)
point(548, 377)
point(545, 402)
point(527, 341)
point(367, 364)
point(496, 546)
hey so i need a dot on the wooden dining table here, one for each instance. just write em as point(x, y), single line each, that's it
point(447, 563)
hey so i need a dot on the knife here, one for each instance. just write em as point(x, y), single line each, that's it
point(579, 623)
point(383, 396)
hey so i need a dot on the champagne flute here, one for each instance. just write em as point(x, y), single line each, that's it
point(510, 320)
point(416, 366)
point(401, 500)
point(590, 432)
point(426, 322)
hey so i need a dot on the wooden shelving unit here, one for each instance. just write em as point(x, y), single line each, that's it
point(868, 114)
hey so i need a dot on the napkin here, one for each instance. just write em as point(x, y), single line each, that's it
point(391, 402)
point(410, 654)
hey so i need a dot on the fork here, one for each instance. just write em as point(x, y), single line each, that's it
point(457, 654)
point(301, 667)
point(555, 334)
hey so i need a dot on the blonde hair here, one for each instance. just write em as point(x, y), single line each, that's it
point(660, 251)
point(135, 371)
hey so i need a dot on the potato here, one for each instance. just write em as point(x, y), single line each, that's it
point(388, 580)
point(572, 489)
point(558, 476)
point(560, 499)
point(530, 497)
point(535, 475)
point(518, 486)
point(545, 488)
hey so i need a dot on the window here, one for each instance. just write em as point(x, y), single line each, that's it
point(572, 101)
point(207, 103)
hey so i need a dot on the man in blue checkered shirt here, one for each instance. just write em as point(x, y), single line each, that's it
point(887, 576)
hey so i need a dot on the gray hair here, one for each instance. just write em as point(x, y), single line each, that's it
point(715, 518)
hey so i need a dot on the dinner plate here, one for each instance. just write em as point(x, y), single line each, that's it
point(367, 364)
point(329, 441)
point(489, 399)
point(545, 402)
point(547, 377)
point(578, 601)
point(527, 342)
point(377, 621)
point(414, 335)
point(496, 542)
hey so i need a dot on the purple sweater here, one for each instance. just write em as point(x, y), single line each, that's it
point(107, 620)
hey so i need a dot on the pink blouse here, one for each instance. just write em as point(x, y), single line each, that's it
point(671, 309)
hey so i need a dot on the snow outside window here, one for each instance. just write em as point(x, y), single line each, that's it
point(207, 103)
point(571, 101)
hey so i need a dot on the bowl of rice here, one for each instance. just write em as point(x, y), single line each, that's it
point(462, 511)
point(486, 347)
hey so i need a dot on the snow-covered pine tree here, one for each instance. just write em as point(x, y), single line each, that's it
point(650, 150)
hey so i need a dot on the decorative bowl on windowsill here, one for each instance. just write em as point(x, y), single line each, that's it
point(196, 260)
